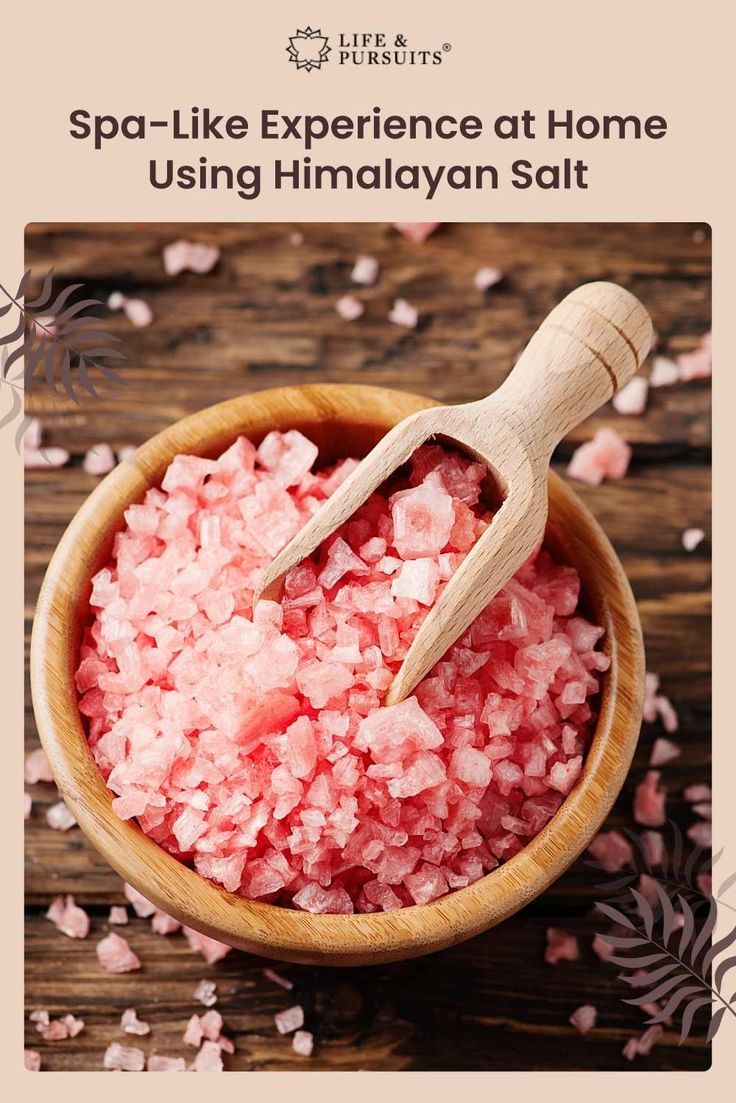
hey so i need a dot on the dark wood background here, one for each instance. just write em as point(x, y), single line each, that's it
point(266, 317)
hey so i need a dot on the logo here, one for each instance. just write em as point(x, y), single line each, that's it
point(308, 49)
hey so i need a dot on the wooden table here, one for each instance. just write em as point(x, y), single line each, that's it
point(266, 317)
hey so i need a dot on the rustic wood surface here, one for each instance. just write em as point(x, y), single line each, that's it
point(266, 317)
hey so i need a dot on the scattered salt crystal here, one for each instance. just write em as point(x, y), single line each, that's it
point(283, 982)
point(206, 993)
point(158, 1063)
point(210, 949)
point(290, 1019)
point(485, 278)
point(416, 232)
point(37, 767)
point(696, 364)
point(663, 751)
point(349, 307)
point(115, 300)
point(642, 1045)
point(695, 793)
point(561, 946)
point(701, 834)
point(632, 398)
point(38, 458)
point(183, 256)
point(45, 326)
point(126, 452)
point(601, 948)
point(296, 238)
point(118, 915)
point(303, 1043)
point(705, 810)
point(164, 924)
point(194, 1033)
point(32, 1060)
point(124, 1058)
point(653, 845)
point(99, 460)
point(136, 311)
point(365, 270)
point(142, 907)
point(40, 1017)
point(649, 801)
point(209, 1058)
point(68, 917)
point(583, 1019)
point(115, 955)
point(691, 538)
point(664, 372)
point(59, 817)
point(131, 1024)
point(27, 806)
point(606, 456)
point(402, 313)
point(613, 850)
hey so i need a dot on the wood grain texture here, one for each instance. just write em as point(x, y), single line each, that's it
point(265, 317)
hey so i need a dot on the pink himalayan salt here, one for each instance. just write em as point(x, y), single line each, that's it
point(653, 846)
point(663, 751)
point(164, 924)
point(350, 308)
point(158, 1063)
point(612, 850)
point(206, 993)
point(59, 817)
point(701, 834)
point(602, 949)
point(649, 801)
point(290, 1019)
point(209, 1058)
point(131, 1024)
point(142, 907)
point(210, 949)
point(365, 270)
point(283, 982)
point(136, 311)
point(303, 1043)
point(126, 452)
point(695, 793)
point(37, 767)
point(691, 538)
point(253, 764)
point(68, 917)
point(27, 806)
point(657, 705)
point(45, 326)
point(632, 398)
point(194, 1033)
point(115, 955)
point(696, 364)
point(99, 459)
point(416, 232)
point(33, 435)
point(37, 458)
point(32, 1060)
point(642, 1045)
point(402, 313)
point(190, 256)
point(561, 946)
point(486, 278)
point(704, 881)
point(664, 372)
point(606, 456)
point(124, 1058)
point(705, 810)
point(118, 915)
point(583, 1018)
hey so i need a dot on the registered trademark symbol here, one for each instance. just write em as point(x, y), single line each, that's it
point(447, 46)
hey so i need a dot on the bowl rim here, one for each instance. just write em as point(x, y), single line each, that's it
point(288, 934)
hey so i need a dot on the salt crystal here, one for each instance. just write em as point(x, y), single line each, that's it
point(303, 1043)
point(59, 817)
point(695, 793)
point(194, 1033)
point(606, 456)
point(583, 1019)
point(118, 915)
point(653, 846)
point(349, 307)
point(32, 1060)
point(210, 949)
point(206, 993)
point(664, 372)
point(183, 256)
point(282, 982)
point(68, 917)
point(701, 834)
point(402, 313)
point(696, 364)
point(649, 801)
point(601, 948)
point(27, 806)
point(158, 1063)
point(164, 924)
point(115, 300)
point(691, 538)
point(561, 946)
point(124, 1058)
point(38, 458)
point(290, 1019)
point(642, 1045)
point(115, 955)
point(131, 1024)
point(142, 907)
point(138, 312)
point(613, 850)
point(416, 232)
point(365, 270)
point(99, 460)
point(37, 767)
point(209, 1058)
point(126, 452)
point(663, 751)
point(632, 398)
point(485, 278)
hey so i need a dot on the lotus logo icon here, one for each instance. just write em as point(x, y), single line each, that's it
point(308, 49)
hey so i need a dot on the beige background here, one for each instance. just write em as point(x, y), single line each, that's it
point(656, 58)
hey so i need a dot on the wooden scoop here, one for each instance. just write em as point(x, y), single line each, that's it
point(591, 344)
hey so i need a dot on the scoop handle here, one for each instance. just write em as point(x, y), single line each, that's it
point(589, 346)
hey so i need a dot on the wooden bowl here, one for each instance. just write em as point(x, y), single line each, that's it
point(342, 420)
